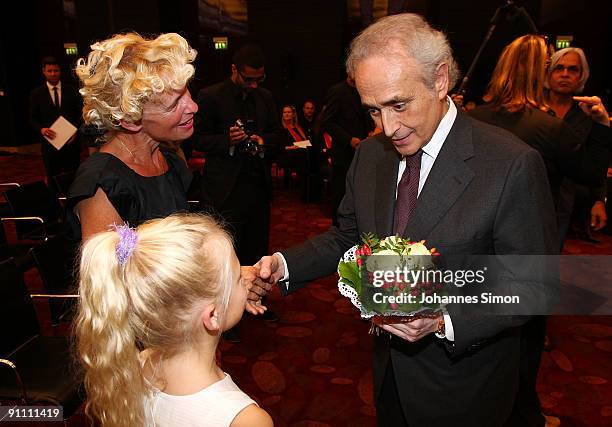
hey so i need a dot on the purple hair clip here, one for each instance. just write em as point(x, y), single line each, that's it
point(126, 244)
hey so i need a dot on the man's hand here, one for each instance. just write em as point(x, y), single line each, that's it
point(594, 108)
point(250, 279)
point(355, 142)
point(410, 331)
point(268, 271)
point(258, 139)
point(236, 135)
point(48, 133)
point(598, 215)
point(271, 268)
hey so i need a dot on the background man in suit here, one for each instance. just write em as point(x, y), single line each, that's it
point(236, 181)
point(346, 121)
point(45, 108)
point(480, 191)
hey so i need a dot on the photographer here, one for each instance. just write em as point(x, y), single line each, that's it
point(238, 129)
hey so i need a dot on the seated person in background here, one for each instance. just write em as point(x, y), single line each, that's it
point(295, 133)
point(153, 304)
point(135, 92)
point(307, 118)
point(587, 117)
point(293, 158)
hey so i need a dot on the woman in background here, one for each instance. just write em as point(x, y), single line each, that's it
point(515, 101)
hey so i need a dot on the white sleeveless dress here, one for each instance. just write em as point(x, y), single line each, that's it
point(215, 406)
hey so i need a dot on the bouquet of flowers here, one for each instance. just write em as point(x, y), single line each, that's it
point(393, 278)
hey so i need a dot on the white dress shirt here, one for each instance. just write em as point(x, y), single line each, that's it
point(59, 92)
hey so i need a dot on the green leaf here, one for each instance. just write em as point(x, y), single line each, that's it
point(349, 273)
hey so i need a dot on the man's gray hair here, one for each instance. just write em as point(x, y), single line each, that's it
point(416, 39)
point(584, 66)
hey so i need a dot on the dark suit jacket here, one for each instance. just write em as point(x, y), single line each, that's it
point(219, 107)
point(563, 151)
point(43, 112)
point(344, 118)
point(487, 193)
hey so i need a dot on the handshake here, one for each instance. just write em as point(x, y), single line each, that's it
point(260, 278)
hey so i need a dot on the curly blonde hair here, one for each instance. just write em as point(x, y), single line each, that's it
point(151, 302)
point(122, 73)
point(519, 75)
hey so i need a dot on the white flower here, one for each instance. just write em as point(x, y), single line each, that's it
point(417, 249)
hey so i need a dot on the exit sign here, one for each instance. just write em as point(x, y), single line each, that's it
point(220, 43)
point(71, 49)
point(563, 42)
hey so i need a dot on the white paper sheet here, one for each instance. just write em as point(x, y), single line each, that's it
point(64, 130)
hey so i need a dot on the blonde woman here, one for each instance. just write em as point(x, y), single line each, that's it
point(515, 101)
point(135, 93)
point(153, 304)
point(295, 133)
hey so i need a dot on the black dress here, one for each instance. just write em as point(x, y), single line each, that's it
point(136, 198)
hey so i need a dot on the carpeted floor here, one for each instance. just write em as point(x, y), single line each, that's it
point(312, 367)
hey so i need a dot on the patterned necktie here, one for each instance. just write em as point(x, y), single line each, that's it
point(56, 97)
point(407, 192)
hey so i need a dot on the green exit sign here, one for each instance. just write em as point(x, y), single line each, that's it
point(220, 43)
point(71, 49)
point(563, 42)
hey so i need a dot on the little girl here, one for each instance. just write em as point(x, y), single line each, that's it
point(153, 304)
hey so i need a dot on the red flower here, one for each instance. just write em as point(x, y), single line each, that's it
point(366, 250)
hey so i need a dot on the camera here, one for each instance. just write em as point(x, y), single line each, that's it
point(248, 145)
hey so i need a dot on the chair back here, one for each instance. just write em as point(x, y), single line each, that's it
point(55, 260)
point(17, 314)
point(33, 200)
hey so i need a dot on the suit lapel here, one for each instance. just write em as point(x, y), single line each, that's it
point(386, 183)
point(447, 180)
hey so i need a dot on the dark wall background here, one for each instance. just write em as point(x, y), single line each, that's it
point(305, 41)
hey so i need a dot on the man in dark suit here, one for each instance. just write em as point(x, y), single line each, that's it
point(47, 102)
point(480, 191)
point(346, 121)
point(236, 181)
point(236, 118)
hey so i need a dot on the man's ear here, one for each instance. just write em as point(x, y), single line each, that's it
point(132, 127)
point(210, 319)
point(441, 82)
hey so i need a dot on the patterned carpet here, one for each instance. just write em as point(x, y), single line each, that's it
point(312, 367)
